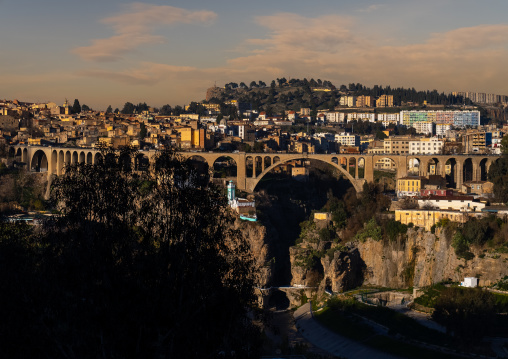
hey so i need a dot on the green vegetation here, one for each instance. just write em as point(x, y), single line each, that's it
point(371, 230)
point(466, 312)
point(336, 317)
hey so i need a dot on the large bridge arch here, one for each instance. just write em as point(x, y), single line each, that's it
point(357, 183)
point(39, 162)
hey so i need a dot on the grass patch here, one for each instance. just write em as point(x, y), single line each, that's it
point(344, 324)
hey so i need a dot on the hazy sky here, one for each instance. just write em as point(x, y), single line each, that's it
point(110, 52)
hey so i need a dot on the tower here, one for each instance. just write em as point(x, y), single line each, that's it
point(231, 192)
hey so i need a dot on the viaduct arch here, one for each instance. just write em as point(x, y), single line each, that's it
point(460, 167)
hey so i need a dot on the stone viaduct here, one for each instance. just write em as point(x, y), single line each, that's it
point(252, 167)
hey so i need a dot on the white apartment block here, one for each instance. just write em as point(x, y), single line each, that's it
point(443, 129)
point(426, 128)
point(347, 139)
point(371, 117)
point(388, 118)
point(349, 101)
point(426, 146)
point(337, 117)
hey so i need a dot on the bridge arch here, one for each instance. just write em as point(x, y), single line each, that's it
point(89, 158)
point(141, 162)
point(357, 183)
point(98, 157)
point(225, 167)
point(39, 162)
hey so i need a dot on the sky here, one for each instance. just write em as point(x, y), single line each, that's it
point(169, 52)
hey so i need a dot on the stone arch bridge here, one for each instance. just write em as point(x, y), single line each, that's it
point(252, 167)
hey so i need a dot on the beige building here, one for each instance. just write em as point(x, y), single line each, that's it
point(397, 145)
point(364, 101)
point(427, 218)
point(385, 101)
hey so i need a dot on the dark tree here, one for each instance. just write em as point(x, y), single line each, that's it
point(76, 107)
point(136, 265)
point(109, 109)
point(142, 130)
point(165, 110)
point(85, 108)
point(128, 108)
point(498, 174)
point(466, 313)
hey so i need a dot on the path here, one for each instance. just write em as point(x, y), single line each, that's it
point(331, 342)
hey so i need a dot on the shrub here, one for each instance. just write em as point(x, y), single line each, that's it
point(370, 230)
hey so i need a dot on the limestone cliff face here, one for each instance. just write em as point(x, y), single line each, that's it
point(424, 259)
point(258, 239)
point(421, 259)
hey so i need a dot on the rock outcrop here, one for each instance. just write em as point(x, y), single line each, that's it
point(424, 259)
point(419, 259)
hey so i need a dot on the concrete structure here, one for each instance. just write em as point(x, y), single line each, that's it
point(470, 282)
point(252, 167)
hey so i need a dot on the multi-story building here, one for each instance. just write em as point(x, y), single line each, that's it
point(348, 101)
point(397, 145)
point(409, 186)
point(426, 128)
point(388, 118)
point(371, 117)
point(335, 117)
point(426, 146)
point(385, 101)
point(443, 129)
point(428, 218)
point(459, 119)
point(477, 141)
point(347, 139)
point(364, 101)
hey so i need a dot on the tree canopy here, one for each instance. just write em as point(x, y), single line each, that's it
point(76, 107)
point(137, 264)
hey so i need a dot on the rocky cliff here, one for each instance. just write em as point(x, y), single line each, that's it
point(260, 239)
point(418, 259)
point(426, 258)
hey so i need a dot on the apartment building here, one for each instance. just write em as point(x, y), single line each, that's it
point(458, 119)
point(365, 116)
point(349, 101)
point(347, 139)
point(397, 145)
point(335, 117)
point(426, 128)
point(477, 141)
point(388, 118)
point(364, 101)
point(426, 146)
point(385, 101)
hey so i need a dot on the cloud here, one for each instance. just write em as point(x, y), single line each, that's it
point(372, 8)
point(134, 27)
point(329, 47)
